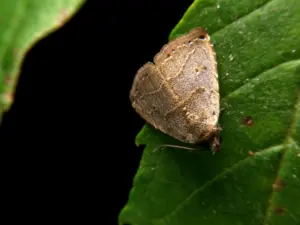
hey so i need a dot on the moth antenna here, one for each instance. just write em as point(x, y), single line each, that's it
point(177, 146)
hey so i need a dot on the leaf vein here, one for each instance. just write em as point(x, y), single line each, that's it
point(285, 146)
point(256, 76)
point(229, 169)
point(239, 18)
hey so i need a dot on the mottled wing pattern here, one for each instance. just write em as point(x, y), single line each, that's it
point(169, 49)
point(151, 97)
point(179, 93)
point(197, 71)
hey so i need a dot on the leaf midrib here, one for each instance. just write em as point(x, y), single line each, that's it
point(288, 138)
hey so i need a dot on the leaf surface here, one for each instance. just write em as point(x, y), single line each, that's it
point(255, 179)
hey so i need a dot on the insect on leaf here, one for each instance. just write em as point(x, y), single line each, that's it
point(255, 179)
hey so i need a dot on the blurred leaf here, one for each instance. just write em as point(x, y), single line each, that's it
point(22, 24)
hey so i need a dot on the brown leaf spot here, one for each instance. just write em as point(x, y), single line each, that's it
point(8, 80)
point(62, 17)
point(7, 98)
point(250, 153)
point(278, 185)
point(248, 121)
point(280, 211)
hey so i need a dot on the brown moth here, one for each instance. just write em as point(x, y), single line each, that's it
point(179, 93)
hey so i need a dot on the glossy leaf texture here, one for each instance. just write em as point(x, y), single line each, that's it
point(255, 179)
point(22, 24)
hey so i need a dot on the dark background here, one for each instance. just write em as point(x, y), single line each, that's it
point(67, 144)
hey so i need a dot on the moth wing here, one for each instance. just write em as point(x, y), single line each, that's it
point(170, 53)
point(191, 71)
point(179, 95)
point(150, 96)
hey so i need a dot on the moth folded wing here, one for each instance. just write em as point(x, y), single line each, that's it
point(145, 94)
point(151, 97)
point(191, 117)
point(184, 40)
point(197, 85)
point(204, 108)
point(197, 70)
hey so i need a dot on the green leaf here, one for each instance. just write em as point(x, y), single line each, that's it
point(255, 179)
point(22, 24)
